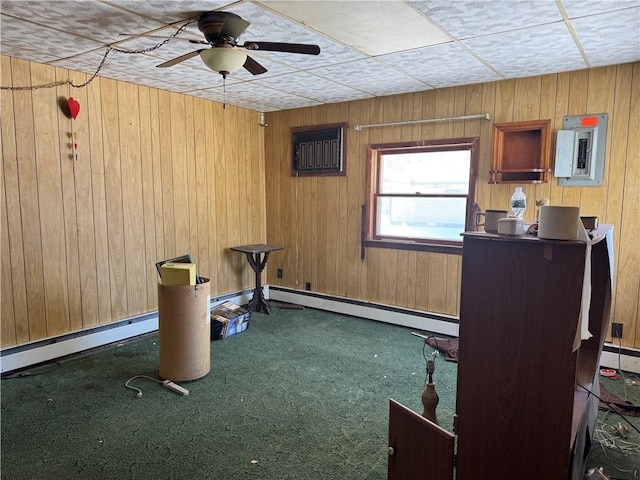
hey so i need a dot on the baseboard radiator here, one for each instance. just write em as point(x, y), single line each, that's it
point(26, 355)
point(50, 349)
point(613, 356)
point(416, 319)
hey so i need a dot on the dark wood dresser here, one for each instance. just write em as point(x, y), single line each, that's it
point(521, 407)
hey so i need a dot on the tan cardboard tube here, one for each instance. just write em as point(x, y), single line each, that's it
point(184, 331)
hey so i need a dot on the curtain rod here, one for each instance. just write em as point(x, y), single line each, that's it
point(486, 116)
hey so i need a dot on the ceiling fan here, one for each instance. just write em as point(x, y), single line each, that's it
point(222, 30)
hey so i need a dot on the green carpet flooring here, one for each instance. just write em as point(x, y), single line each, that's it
point(620, 457)
point(302, 394)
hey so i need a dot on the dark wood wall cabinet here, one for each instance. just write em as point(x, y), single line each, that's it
point(523, 406)
point(521, 152)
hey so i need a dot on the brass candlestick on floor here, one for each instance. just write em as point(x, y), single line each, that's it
point(430, 398)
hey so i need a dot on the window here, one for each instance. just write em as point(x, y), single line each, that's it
point(420, 195)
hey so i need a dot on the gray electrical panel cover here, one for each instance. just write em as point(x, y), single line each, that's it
point(580, 149)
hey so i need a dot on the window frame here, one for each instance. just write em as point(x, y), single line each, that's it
point(371, 239)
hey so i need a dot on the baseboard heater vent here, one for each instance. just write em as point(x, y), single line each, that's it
point(47, 350)
point(425, 321)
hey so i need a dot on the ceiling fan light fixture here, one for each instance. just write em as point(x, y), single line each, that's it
point(223, 60)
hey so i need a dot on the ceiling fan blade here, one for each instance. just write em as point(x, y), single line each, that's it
point(181, 58)
point(304, 48)
point(253, 67)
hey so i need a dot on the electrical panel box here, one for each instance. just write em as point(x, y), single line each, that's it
point(580, 149)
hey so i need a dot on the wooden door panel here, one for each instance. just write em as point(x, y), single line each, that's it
point(421, 449)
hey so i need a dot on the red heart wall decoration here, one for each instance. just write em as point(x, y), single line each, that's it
point(74, 107)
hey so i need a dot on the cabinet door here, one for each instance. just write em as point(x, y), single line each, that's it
point(418, 448)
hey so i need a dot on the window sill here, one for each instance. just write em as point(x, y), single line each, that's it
point(453, 248)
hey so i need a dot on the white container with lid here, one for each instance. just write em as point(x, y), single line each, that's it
point(510, 226)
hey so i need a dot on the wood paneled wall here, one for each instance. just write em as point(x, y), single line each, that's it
point(160, 174)
point(317, 219)
point(157, 175)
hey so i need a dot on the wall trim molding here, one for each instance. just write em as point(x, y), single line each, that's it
point(418, 319)
point(43, 351)
point(613, 356)
point(50, 349)
point(626, 359)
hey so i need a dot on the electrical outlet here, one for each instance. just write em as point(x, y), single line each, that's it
point(279, 273)
point(308, 286)
point(616, 330)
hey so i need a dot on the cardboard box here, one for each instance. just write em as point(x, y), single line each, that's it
point(227, 319)
point(178, 273)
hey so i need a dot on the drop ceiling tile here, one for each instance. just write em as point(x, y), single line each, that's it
point(138, 69)
point(530, 51)
point(217, 95)
point(602, 34)
point(169, 11)
point(161, 43)
point(310, 86)
point(470, 18)
point(371, 77)
point(251, 90)
point(286, 103)
point(582, 8)
point(441, 65)
point(186, 78)
point(209, 94)
point(515, 38)
point(86, 62)
point(270, 27)
point(94, 20)
point(33, 42)
point(260, 98)
point(255, 105)
point(371, 33)
point(27, 52)
point(116, 61)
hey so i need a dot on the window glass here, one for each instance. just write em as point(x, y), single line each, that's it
point(422, 218)
point(421, 196)
point(425, 172)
